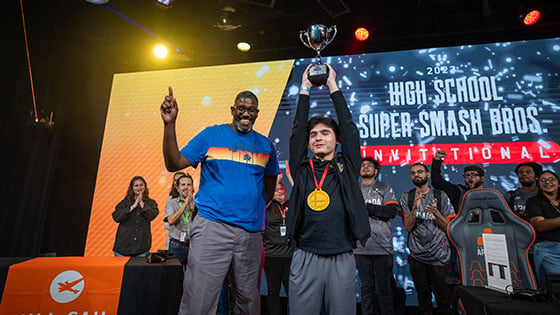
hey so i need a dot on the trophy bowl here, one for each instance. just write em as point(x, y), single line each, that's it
point(317, 37)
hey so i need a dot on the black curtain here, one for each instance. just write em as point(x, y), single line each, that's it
point(48, 173)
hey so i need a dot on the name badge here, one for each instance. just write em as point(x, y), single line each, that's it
point(282, 230)
point(183, 237)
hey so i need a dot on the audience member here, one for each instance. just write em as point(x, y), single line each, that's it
point(473, 174)
point(173, 193)
point(375, 260)
point(238, 177)
point(543, 211)
point(178, 213)
point(327, 212)
point(134, 214)
point(527, 174)
point(426, 214)
point(278, 252)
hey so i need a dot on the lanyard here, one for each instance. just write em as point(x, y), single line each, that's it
point(282, 209)
point(183, 215)
point(320, 184)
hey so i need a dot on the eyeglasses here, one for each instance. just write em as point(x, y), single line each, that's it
point(243, 108)
point(469, 175)
point(548, 180)
point(367, 165)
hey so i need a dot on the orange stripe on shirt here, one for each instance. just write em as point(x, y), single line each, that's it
point(391, 202)
point(240, 156)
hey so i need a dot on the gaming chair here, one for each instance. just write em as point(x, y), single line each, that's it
point(485, 210)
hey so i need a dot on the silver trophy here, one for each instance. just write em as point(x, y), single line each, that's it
point(317, 37)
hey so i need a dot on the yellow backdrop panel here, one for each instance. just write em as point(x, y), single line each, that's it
point(133, 132)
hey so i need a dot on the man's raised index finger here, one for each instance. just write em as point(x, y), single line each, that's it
point(170, 89)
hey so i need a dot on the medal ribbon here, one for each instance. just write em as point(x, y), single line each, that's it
point(320, 184)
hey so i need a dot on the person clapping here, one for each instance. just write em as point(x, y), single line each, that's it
point(134, 214)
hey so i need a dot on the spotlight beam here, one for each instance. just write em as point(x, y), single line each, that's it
point(147, 31)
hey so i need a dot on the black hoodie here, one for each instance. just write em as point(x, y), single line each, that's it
point(346, 170)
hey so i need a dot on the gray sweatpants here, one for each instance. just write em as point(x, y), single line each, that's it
point(322, 280)
point(214, 247)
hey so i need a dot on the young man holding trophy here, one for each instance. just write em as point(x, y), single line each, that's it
point(327, 213)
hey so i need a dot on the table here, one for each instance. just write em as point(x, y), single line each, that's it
point(151, 288)
point(145, 289)
point(479, 300)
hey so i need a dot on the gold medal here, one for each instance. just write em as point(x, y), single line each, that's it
point(318, 200)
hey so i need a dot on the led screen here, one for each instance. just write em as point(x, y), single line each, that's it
point(495, 105)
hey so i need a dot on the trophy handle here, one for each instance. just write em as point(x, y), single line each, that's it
point(330, 39)
point(301, 33)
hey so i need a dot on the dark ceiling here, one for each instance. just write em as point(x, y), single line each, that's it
point(272, 26)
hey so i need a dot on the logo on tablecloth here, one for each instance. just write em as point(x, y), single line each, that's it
point(67, 286)
point(63, 285)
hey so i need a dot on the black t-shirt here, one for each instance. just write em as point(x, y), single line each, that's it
point(538, 208)
point(276, 245)
point(325, 232)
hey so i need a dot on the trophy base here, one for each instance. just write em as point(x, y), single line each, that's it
point(318, 74)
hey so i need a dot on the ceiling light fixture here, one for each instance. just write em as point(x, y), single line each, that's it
point(160, 51)
point(243, 46)
point(164, 4)
point(227, 19)
point(532, 17)
point(361, 34)
point(98, 1)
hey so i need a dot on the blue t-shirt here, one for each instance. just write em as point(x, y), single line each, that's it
point(231, 180)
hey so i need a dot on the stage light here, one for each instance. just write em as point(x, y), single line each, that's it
point(160, 51)
point(243, 46)
point(532, 17)
point(98, 1)
point(361, 34)
point(165, 2)
point(227, 19)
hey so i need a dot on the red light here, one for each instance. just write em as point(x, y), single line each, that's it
point(532, 17)
point(361, 34)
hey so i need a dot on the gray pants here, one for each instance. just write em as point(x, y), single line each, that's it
point(322, 280)
point(214, 247)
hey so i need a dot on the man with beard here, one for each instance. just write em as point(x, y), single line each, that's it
point(426, 219)
point(473, 174)
point(178, 214)
point(238, 178)
point(375, 260)
point(527, 174)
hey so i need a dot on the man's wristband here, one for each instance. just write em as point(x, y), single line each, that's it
point(305, 88)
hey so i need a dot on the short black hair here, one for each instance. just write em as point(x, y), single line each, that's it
point(247, 94)
point(327, 121)
point(424, 166)
point(537, 168)
point(475, 168)
point(373, 161)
